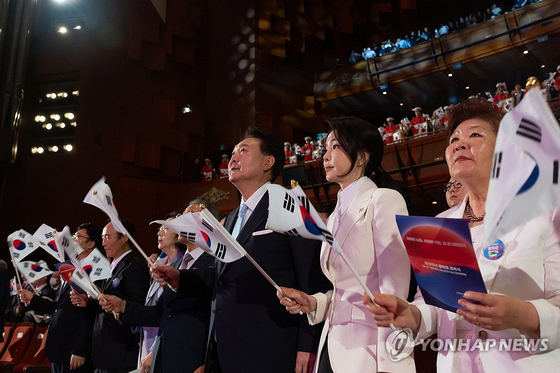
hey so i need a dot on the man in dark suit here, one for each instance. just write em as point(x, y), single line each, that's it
point(114, 348)
point(69, 338)
point(251, 331)
point(183, 320)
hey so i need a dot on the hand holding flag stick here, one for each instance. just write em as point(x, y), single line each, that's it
point(291, 212)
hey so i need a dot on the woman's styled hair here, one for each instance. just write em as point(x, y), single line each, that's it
point(356, 136)
point(474, 108)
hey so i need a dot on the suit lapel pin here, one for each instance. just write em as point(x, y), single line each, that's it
point(361, 209)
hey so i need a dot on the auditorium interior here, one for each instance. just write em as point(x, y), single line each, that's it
point(135, 90)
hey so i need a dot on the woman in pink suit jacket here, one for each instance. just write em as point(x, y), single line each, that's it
point(363, 223)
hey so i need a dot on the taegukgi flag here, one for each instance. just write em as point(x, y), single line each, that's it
point(33, 271)
point(205, 235)
point(96, 266)
point(291, 212)
point(22, 243)
point(47, 236)
point(100, 196)
point(524, 181)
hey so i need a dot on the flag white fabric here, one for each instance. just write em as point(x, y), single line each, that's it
point(96, 266)
point(69, 246)
point(21, 244)
point(81, 279)
point(291, 212)
point(33, 271)
point(205, 235)
point(524, 181)
point(47, 236)
point(100, 196)
point(13, 286)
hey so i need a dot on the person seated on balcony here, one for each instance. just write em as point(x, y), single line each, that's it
point(500, 96)
point(402, 44)
point(391, 128)
point(479, 17)
point(354, 57)
point(517, 94)
point(450, 27)
point(557, 82)
point(496, 10)
point(520, 3)
point(297, 149)
point(308, 148)
point(288, 152)
point(416, 122)
point(462, 24)
point(207, 171)
point(442, 122)
point(368, 53)
point(413, 40)
point(223, 168)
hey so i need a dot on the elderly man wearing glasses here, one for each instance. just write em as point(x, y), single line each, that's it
point(69, 338)
point(455, 192)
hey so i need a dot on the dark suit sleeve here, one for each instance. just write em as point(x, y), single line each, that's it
point(42, 306)
point(137, 282)
point(196, 282)
point(310, 279)
point(138, 314)
point(4, 288)
point(82, 342)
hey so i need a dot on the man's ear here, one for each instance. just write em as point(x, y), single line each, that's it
point(268, 162)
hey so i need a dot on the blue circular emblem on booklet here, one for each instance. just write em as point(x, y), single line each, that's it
point(116, 282)
point(495, 250)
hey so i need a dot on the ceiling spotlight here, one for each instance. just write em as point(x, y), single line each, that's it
point(525, 51)
point(69, 116)
point(434, 202)
point(73, 124)
point(61, 125)
point(78, 27)
point(402, 104)
point(55, 116)
point(40, 118)
point(62, 30)
point(40, 150)
point(51, 95)
point(384, 92)
point(450, 75)
point(75, 93)
point(34, 150)
point(467, 87)
point(53, 148)
point(68, 147)
point(62, 94)
point(542, 66)
point(187, 109)
point(47, 126)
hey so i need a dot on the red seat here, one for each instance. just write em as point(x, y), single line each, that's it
point(44, 367)
point(18, 344)
point(35, 353)
point(8, 331)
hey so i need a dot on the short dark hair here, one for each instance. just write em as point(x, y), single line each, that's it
point(93, 232)
point(130, 228)
point(358, 136)
point(270, 145)
point(474, 108)
point(209, 206)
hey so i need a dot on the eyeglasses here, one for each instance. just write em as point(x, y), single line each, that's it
point(75, 236)
point(450, 184)
point(105, 237)
point(163, 228)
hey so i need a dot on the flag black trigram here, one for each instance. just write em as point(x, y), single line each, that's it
point(79, 274)
point(289, 203)
point(108, 199)
point(207, 225)
point(49, 235)
point(293, 232)
point(220, 251)
point(328, 236)
point(64, 242)
point(190, 236)
point(555, 172)
point(497, 165)
point(21, 235)
point(530, 130)
point(98, 272)
point(304, 201)
point(96, 259)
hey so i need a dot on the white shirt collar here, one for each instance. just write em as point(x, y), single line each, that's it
point(254, 200)
point(117, 260)
point(346, 195)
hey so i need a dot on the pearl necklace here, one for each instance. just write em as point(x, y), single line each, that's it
point(471, 218)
